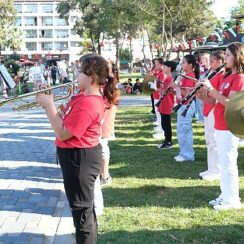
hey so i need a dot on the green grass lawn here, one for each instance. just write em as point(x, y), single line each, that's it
point(153, 199)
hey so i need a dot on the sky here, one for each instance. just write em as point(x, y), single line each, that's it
point(222, 8)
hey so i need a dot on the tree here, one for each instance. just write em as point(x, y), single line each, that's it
point(14, 38)
point(178, 19)
point(239, 9)
point(103, 19)
point(7, 17)
point(91, 23)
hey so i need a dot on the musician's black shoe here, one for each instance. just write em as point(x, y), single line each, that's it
point(165, 145)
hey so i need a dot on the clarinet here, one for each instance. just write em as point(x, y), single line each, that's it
point(187, 108)
point(162, 96)
point(189, 104)
point(196, 89)
point(165, 93)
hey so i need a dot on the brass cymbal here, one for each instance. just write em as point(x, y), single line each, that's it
point(145, 84)
point(234, 114)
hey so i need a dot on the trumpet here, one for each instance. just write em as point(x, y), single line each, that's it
point(196, 89)
point(19, 103)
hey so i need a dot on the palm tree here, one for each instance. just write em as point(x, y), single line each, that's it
point(14, 39)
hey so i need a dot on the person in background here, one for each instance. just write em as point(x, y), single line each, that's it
point(137, 87)
point(128, 86)
point(54, 74)
point(42, 66)
point(227, 143)
point(203, 60)
point(153, 72)
point(159, 78)
point(70, 76)
point(36, 75)
point(213, 171)
point(46, 75)
point(166, 105)
point(62, 70)
point(184, 124)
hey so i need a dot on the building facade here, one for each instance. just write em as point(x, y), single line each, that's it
point(45, 34)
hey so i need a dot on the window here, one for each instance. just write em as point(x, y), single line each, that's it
point(31, 8)
point(62, 33)
point(18, 8)
point(30, 21)
point(47, 8)
point(45, 46)
point(61, 46)
point(73, 19)
point(46, 34)
point(31, 34)
point(47, 21)
point(73, 32)
point(61, 22)
point(31, 46)
point(74, 44)
point(18, 21)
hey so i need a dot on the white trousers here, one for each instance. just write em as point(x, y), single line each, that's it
point(105, 149)
point(98, 197)
point(227, 146)
point(158, 115)
point(210, 137)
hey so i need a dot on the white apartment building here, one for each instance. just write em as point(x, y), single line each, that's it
point(46, 35)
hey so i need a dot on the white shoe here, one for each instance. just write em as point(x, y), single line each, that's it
point(211, 177)
point(203, 173)
point(226, 206)
point(216, 201)
point(181, 159)
point(157, 129)
point(158, 136)
point(178, 156)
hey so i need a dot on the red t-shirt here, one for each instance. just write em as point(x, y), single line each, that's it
point(233, 82)
point(159, 75)
point(168, 101)
point(187, 83)
point(215, 81)
point(82, 118)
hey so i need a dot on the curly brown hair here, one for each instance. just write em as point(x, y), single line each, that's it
point(96, 66)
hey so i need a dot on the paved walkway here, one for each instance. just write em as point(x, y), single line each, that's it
point(33, 207)
point(135, 100)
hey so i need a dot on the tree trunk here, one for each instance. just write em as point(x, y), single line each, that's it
point(165, 46)
point(93, 43)
point(117, 52)
point(99, 47)
point(163, 31)
point(150, 45)
point(131, 56)
point(143, 49)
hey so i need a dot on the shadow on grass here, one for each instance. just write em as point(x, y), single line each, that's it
point(154, 195)
point(207, 234)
